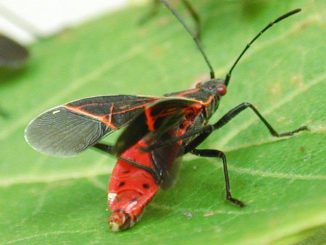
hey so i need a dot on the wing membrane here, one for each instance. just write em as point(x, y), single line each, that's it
point(168, 159)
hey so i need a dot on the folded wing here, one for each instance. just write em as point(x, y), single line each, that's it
point(71, 128)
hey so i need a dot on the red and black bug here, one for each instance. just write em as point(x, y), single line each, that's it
point(158, 131)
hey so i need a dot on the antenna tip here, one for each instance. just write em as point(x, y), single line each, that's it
point(294, 11)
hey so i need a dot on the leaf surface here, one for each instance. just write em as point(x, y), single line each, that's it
point(283, 181)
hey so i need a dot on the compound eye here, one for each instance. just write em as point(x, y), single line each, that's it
point(221, 89)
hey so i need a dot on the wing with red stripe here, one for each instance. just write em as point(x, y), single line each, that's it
point(69, 129)
point(157, 118)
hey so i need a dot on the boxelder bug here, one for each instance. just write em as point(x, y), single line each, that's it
point(158, 131)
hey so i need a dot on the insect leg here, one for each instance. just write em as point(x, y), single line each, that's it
point(104, 147)
point(207, 130)
point(155, 172)
point(220, 154)
point(235, 111)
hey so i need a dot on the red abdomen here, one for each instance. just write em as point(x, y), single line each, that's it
point(130, 187)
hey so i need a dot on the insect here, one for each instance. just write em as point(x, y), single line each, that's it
point(190, 9)
point(158, 131)
point(12, 54)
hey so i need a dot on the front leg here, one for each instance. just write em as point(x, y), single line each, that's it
point(208, 129)
point(201, 134)
point(155, 172)
point(104, 147)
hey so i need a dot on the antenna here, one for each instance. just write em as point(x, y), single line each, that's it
point(284, 16)
point(194, 37)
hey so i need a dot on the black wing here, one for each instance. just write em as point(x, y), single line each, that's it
point(69, 129)
point(157, 118)
point(167, 159)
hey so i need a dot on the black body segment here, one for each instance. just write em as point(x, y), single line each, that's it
point(12, 54)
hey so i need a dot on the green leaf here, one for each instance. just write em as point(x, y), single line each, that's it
point(46, 200)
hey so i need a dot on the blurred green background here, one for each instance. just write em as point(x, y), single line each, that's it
point(47, 200)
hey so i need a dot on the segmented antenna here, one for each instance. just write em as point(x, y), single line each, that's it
point(194, 37)
point(228, 76)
